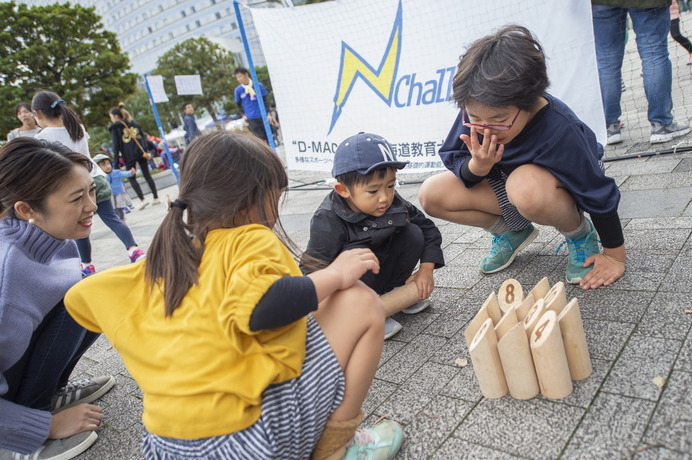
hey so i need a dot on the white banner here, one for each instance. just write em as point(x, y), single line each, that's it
point(386, 66)
point(188, 85)
point(158, 93)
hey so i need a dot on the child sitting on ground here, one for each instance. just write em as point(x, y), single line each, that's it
point(121, 200)
point(364, 211)
point(237, 354)
point(518, 155)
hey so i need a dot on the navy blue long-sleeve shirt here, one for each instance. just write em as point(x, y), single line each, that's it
point(559, 141)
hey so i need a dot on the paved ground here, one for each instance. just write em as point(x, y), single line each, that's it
point(637, 330)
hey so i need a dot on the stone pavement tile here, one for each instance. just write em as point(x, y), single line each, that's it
point(457, 277)
point(586, 389)
point(657, 181)
point(535, 429)
point(414, 394)
point(114, 445)
point(658, 223)
point(123, 414)
point(431, 427)
point(643, 359)
point(654, 203)
point(540, 267)
point(463, 385)
point(679, 277)
point(646, 451)
point(552, 245)
point(458, 449)
point(454, 348)
point(606, 338)
point(471, 235)
point(379, 391)
point(665, 241)
point(638, 281)
point(646, 262)
point(685, 165)
point(449, 322)
point(410, 358)
point(390, 349)
point(470, 258)
point(611, 304)
point(684, 361)
point(412, 325)
point(666, 316)
point(671, 423)
point(642, 167)
point(452, 251)
point(612, 428)
point(444, 299)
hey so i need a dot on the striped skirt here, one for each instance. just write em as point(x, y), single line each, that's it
point(293, 415)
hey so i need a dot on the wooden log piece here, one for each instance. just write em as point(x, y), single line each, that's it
point(509, 295)
point(540, 289)
point(556, 299)
point(486, 362)
point(474, 325)
point(517, 363)
point(509, 319)
point(549, 357)
point(399, 298)
point(493, 309)
point(523, 308)
point(535, 312)
point(574, 338)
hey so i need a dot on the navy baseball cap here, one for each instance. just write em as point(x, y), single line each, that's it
point(364, 152)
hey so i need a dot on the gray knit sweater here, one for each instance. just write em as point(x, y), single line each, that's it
point(36, 270)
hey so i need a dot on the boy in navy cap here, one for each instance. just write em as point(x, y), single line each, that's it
point(364, 211)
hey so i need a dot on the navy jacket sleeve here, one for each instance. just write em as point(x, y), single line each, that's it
point(116, 137)
point(432, 238)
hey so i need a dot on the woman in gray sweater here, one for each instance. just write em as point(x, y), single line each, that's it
point(46, 201)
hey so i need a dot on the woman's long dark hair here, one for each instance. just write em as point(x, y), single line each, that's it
point(31, 169)
point(50, 104)
point(222, 174)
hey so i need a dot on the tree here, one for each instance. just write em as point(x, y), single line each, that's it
point(198, 56)
point(62, 48)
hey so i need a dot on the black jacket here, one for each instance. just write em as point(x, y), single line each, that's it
point(123, 135)
point(335, 228)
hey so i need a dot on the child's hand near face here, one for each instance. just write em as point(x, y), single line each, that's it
point(485, 155)
point(424, 280)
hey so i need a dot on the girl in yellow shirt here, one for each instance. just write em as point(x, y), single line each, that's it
point(236, 353)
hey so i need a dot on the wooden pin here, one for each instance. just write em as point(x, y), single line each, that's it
point(510, 294)
point(399, 298)
point(574, 338)
point(517, 363)
point(491, 306)
point(474, 325)
point(523, 308)
point(549, 357)
point(486, 362)
point(540, 289)
point(535, 312)
point(556, 299)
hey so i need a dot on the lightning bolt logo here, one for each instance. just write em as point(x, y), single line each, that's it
point(353, 66)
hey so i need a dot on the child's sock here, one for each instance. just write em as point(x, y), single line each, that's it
point(581, 229)
point(498, 227)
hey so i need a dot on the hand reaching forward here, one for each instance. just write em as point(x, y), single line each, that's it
point(84, 417)
point(351, 265)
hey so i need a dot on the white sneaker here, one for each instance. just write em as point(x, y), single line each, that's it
point(391, 327)
point(664, 133)
point(143, 204)
point(156, 201)
point(417, 307)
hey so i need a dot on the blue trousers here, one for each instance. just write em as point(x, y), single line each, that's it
point(107, 214)
point(651, 25)
point(56, 346)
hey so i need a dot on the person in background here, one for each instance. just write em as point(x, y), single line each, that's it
point(29, 127)
point(129, 143)
point(651, 24)
point(46, 201)
point(189, 123)
point(61, 124)
point(246, 98)
point(121, 200)
point(675, 30)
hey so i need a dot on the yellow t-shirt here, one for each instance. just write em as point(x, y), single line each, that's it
point(202, 370)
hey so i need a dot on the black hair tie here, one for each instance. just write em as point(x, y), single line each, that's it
point(178, 204)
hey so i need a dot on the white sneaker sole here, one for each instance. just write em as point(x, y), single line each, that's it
point(660, 138)
point(417, 307)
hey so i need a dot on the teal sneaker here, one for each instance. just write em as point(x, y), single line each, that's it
point(586, 245)
point(505, 247)
point(379, 442)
